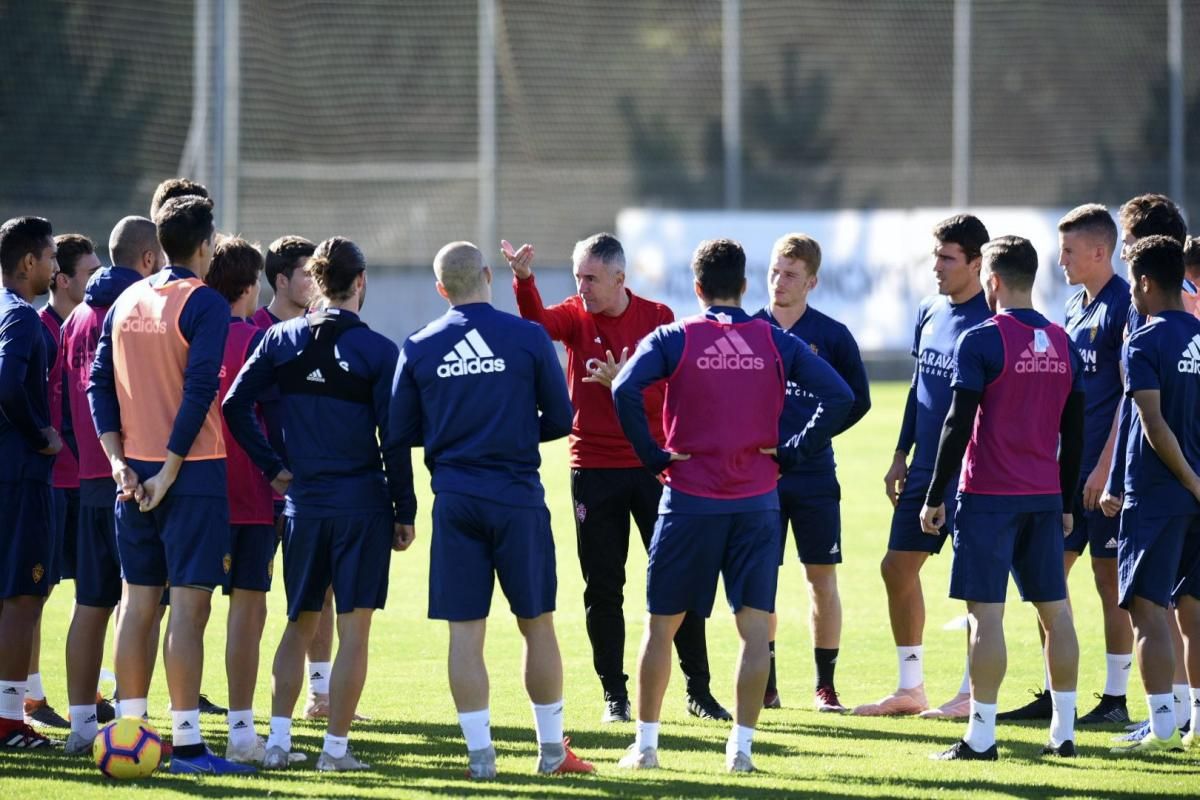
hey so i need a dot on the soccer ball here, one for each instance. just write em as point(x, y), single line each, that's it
point(127, 748)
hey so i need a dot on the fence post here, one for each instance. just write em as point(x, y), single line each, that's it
point(731, 99)
point(1176, 178)
point(960, 189)
point(487, 126)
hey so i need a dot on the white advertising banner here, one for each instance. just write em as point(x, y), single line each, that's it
point(875, 265)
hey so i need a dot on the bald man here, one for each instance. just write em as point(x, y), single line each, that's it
point(489, 512)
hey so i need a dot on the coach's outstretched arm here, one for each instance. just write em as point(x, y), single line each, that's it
point(553, 400)
point(837, 400)
point(651, 362)
point(558, 320)
point(256, 376)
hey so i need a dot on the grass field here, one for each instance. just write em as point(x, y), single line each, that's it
point(415, 747)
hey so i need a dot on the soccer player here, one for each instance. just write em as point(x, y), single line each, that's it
point(136, 254)
point(809, 493)
point(234, 274)
point(1095, 321)
point(28, 444)
point(292, 289)
point(600, 325)
point(1159, 545)
point(175, 187)
point(489, 514)
point(76, 257)
point(725, 377)
point(153, 398)
point(941, 319)
point(344, 513)
point(1017, 392)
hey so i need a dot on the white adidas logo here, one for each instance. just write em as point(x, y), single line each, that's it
point(1111, 544)
point(315, 376)
point(471, 356)
point(1189, 362)
point(1040, 356)
point(833, 551)
point(730, 352)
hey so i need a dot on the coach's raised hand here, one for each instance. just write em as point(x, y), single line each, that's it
point(605, 373)
point(520, 260)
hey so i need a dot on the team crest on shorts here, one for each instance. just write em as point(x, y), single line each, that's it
point(813, 347)
point(580, 512)
point(39, 572)
point(227, 563)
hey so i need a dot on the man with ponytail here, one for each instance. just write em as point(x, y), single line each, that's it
point(480, 389)
point(343, 512)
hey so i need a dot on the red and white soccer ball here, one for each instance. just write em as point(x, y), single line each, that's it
point(127, 748)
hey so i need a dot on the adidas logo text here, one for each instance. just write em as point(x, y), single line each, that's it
point(185, 726)
point(730, 352)
point(136, 323)
point(10, 690)
point(315, 376)
point(1111, 544)
point(241, 726)
point(913, 657)
point(1164, 710)
point(471, 356)
point(1189, 362)
point(1049, 362)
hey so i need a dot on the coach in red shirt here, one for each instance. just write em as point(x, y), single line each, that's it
point(608, 482)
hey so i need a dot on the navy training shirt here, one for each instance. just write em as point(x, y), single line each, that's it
point(832, 341)
point(659, 354)
point(939, 325)
point(1163, 356)
point(333, 444)
point(25, 358)
point(1098, 330)
point(480, 389)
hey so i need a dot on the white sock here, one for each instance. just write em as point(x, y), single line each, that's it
point(1162, 714)
point(318, 676)
point(281, 734)
point(981, 729)
point(185, 728)
point(912, 666)
point(1182, 712)
point(1062, 721)
point(12, 700)
point(740, 740)
point(647, 736)
point(548, 721)
point(1116, 674)
point(336, 745)
point(83, 720)
point(241, 727)
point(477, 728)
point(33, 687)
point(965, 686)
point(1195, 695)
point(133, 707)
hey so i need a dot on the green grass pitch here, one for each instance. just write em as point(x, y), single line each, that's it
point(415, 747)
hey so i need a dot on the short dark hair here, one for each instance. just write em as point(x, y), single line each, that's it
point(1013, 258)
point(964, 230)
point(334, 265)
point(183, 224)
point(235, 267)
point(284, 254)
point(1159, 258)
point(1153, 215)
point(1093, 219)
point(172, 188)
point(21, 236)
point(603, 246)
point(720, 268)
point(71, 248)
point(1191, 252)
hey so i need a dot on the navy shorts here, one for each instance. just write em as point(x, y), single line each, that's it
point(689, 551)
point(1093, 531)
point(97, 562)
point(351, 552)
point(988, 545)
point(1158, 557)
point(906, 534)
point(184, 541)
point(816, 523)
point(253, 549)
point(66, 526)
point(476, 542)
point(26, 544)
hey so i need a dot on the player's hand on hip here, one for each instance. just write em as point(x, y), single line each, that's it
point(403, 536)
point(1110, 504)
point(933, 518)
point(605, 373)
point(282, 482)
point(1093, 488)
point(521, 260)
point(1068, 524)
point(896, 477)
point(53, 442)
point(154, 490)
